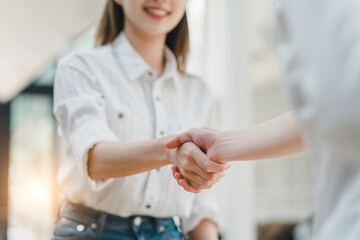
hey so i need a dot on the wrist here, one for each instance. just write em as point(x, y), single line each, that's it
point(223, 146)
point(165, 152)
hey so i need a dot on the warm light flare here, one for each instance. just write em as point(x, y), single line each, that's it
point(39, 192)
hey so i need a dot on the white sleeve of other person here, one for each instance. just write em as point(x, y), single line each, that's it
point(319, 49)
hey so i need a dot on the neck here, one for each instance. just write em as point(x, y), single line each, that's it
point(151, 48)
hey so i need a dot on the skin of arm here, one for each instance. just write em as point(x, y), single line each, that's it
point(120, 159)
point(206, 230)
point(275, 138)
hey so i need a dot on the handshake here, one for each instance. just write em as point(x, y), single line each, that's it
point(197, 162)
point(201, 156)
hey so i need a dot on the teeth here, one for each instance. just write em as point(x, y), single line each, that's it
point(157, 11)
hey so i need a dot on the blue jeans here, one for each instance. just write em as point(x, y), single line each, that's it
point(77, 222)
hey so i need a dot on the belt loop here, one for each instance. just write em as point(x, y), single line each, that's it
point(155, 223)
point(102, 222)
point(60, 207)
point(178, 223)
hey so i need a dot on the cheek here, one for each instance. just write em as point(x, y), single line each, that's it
point(179, 11)
point(175, 20)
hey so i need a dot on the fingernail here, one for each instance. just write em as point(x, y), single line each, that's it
point(228, 165)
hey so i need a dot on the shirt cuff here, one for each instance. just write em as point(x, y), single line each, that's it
point(85, 138)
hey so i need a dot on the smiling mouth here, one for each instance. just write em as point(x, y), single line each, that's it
point(156, 12)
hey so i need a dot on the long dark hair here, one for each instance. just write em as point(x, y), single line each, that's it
point(112, 23)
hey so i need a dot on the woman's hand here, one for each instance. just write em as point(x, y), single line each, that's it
point(197, 171)
point(204, 138)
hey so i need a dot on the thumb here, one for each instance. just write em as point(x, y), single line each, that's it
point(178, 140)
point(210, 129)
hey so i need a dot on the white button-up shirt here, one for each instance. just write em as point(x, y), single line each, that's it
point(320, 53)
point(110, 94)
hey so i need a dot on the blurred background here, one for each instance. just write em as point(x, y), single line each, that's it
point(233, 46)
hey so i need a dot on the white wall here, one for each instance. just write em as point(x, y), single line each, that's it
point(228, 71)
point(34, 32)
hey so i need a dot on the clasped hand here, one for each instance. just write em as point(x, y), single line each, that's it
point(195, 159)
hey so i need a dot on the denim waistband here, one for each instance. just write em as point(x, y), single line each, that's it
point(100, 220)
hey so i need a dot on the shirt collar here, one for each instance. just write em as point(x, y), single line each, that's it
point(135, 66)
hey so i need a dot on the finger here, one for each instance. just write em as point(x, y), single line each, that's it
point(211, 179)
point(195, 177)
point(198, 186)
point(187, 187)
point(228, 166)
point(178, 176)
point(174, 170)
point(178, 140)
point(189, 169)
point(206, 164)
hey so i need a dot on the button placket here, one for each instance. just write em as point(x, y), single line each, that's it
point(160, 132)
point(120, 115)
point(150, 191)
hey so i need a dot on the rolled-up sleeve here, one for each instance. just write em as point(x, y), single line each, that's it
point(204, 206)
point(79, 108)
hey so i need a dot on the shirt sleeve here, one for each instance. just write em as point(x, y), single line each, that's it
point(79, 108)
point(321, 56)
point(205, 206)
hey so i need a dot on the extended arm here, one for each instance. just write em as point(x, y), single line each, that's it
point(274, 138)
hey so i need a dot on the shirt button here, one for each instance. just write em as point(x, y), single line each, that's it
point(157, 99)
point(150, 74)
point(137, 221)
point(120, 115)
point(148, 206)
point(80, 228)
point(162, 133)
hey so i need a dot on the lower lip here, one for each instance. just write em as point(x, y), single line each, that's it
point(156, 16)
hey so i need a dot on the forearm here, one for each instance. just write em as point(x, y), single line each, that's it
point(275, 138)
point(120, 159)
point(206, 230)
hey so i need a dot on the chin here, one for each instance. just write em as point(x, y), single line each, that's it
point(155, 32)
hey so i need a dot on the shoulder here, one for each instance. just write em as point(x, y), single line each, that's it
point(86, 59)
point(80, 69)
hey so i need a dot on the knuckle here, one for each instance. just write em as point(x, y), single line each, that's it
point(213, 177)
point(186, 174)
point(202, 181)
point(208, 176)
point(186, 165)
point(191, 149)
point(191, 130)
point(207, 168)
point(208, 185)
point(188, 153)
